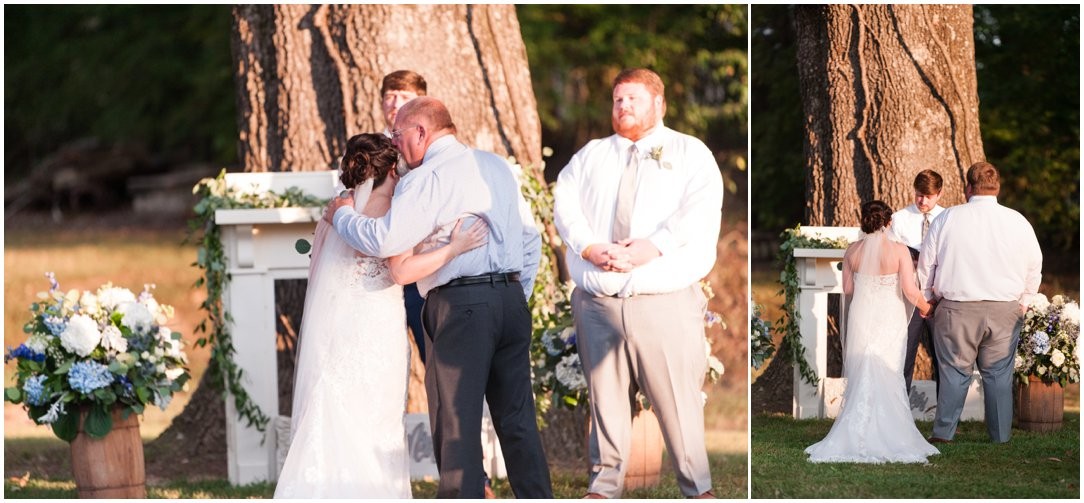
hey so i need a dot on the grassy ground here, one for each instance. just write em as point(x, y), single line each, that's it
point(1031, 465)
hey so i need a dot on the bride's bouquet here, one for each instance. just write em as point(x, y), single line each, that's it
point(93, 352)
point(1049, 341)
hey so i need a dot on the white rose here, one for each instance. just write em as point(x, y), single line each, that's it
point(173, 373)
point(89, 303)
point(175, 350)
point(113, 339)
point(136, 317)
point(1057, 300)
point(1070, 313)
point(81, 336)
point(1057, 358)
point(1039, 302)
point(110, 297)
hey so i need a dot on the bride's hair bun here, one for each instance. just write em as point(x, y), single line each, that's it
point(368, 156)
point(875, 216)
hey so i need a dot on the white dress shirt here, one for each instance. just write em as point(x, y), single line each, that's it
point(980, 251)
point(453, 180)
point(678, 207)
point(907, 224)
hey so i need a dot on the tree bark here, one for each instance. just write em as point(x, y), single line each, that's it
point(308, 77)
point(887, 91)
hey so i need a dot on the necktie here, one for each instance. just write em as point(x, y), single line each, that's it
point(626, 193)
point(925, 224)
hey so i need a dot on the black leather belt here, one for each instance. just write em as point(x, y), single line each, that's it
point(497, 277)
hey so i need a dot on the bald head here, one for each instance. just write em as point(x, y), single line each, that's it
point(428, 112)
point(418, 124)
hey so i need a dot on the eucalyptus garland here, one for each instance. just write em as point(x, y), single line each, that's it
point(792, 349)
point(214, 195)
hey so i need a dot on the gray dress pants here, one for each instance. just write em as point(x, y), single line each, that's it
point(967, 334)
point(655, 344)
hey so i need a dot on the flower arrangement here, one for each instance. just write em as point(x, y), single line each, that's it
point(1049, 341)
point(93, 351)
point(556, 366)
point(761, 346)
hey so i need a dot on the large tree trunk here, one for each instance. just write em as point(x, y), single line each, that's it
point(308, 77)
point(887, 91)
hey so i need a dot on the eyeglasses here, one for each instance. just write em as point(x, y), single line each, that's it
point(399, 132)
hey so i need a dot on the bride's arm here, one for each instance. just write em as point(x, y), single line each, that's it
point(909, 282)
point(848, 272)
point(407, 267)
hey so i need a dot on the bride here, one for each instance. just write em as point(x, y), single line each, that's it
point(875, 423)
point(348, 437)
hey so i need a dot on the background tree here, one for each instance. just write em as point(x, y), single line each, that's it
point(1039, 131)
point(698, 50)
point(887, 91)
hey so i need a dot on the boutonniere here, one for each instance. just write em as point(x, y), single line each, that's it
point(656, 154)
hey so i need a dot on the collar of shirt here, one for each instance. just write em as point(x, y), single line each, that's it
point(982, 199)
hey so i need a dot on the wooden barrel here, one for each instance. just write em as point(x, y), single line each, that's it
point(1039, 405)
point(645, 456)
point(110, 467)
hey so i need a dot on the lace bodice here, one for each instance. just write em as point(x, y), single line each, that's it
point(368, 273)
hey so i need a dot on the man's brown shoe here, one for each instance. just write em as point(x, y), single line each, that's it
point(708, 495)
point(936, 440)
point(594, 496)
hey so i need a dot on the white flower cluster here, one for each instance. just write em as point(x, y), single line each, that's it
point(1050, 340)
point(570, 372)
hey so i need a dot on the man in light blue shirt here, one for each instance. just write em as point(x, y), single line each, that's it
point(475, 315)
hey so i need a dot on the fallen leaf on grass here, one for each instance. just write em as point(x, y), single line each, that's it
point(20, 482)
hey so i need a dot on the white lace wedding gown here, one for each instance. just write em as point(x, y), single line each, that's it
point(875, 423)
point(348, 437)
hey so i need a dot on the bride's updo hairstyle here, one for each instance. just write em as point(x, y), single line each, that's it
point(368, 156)
point(875, 216)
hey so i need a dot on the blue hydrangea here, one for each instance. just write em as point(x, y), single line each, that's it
point(87, 376)
point(1041, 343)
point(35, 390)
point(25, 353)
point(55, 324)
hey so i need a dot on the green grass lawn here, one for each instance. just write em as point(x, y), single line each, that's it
point(1031, 465)
point(728, 475)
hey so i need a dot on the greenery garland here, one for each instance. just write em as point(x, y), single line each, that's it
point(214, 195)
point(792, 349)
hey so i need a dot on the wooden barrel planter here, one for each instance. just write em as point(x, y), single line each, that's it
point(645, 456)
point(1039, 405)
point(110, 467)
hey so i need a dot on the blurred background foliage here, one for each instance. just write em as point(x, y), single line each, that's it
point(160, 77)
point(1028, 69)
point(575, 51)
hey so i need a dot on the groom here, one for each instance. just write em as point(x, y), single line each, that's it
point(475, 315)
point(911, 225)
point(983, 261)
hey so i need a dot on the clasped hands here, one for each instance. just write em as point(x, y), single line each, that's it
point(929, 312)
point(622, 256)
